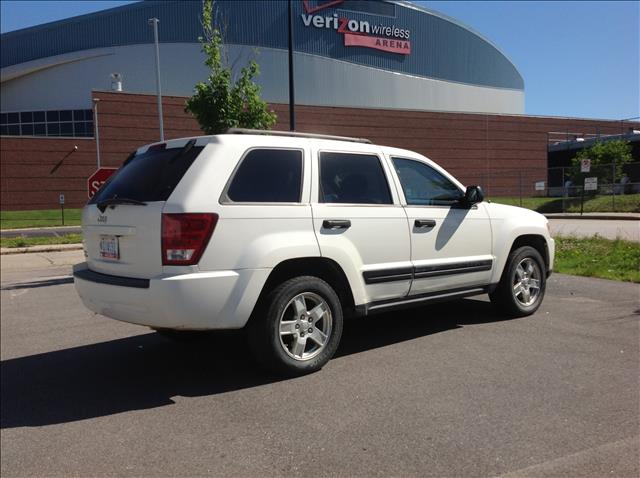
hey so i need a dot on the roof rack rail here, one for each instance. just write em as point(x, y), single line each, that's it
point(296, 134)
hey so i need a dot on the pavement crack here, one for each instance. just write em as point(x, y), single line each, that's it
point(46, 259)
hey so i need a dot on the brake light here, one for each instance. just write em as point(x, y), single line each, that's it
point(185, 236)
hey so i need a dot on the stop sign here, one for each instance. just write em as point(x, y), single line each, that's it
point(97, 179)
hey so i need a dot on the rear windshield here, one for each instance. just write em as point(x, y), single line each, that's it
point(150, 176)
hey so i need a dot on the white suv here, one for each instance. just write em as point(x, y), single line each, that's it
point(286, 233)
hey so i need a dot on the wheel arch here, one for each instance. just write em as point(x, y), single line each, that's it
point(537, 241)
point(322, 267)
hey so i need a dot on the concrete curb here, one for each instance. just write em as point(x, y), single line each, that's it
point(31, 249)
point(74, 247)
point(622, 217)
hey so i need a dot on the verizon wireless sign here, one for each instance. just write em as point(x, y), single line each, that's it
point(358, 32)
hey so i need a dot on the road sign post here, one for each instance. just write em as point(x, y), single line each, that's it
point(590, 184)
point(61, 202)
point(97, 179)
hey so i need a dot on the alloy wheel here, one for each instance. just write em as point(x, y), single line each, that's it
point(305, 326)
point(526, 282)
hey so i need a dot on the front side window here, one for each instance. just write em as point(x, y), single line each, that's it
point(352, 179)
point(424, 186)
point(269, 176)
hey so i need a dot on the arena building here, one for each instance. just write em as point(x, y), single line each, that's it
point(388, 70)
point(354, 53)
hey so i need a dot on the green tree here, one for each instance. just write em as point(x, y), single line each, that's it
point(603, 155)
point(220, 102)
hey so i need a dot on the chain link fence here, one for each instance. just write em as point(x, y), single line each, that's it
point(552, 190)
point(605, 188)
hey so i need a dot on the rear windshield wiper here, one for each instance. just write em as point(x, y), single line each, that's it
point(102, 205)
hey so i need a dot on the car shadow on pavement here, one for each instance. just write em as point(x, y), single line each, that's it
point(145, 371)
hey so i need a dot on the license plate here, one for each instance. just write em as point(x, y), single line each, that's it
point(109, 247)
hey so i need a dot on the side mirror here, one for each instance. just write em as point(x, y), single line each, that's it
point(473, 195)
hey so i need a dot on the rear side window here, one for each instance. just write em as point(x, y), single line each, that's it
point(352, 179)
point(268, 175)
point(150, 176)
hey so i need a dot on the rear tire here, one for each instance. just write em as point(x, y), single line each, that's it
point(297, 328)
point(522, 285)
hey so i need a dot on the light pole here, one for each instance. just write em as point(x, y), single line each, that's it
point(292, 95)
point(154, 23)
point(95, 129)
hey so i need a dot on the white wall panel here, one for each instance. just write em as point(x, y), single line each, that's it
point(66, 82)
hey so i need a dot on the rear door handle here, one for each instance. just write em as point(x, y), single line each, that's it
point(424, 223)
point(336, 224)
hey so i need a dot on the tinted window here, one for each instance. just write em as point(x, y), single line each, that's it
point(423, 185)
point(53, 123)
point(150, 176)
point(78, 129)
point(66, 129)
point(268, 175)
point(352, 179)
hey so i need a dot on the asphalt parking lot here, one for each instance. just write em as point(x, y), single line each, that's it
point(449, 390)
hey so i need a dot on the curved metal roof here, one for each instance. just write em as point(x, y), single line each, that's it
point(441, 48)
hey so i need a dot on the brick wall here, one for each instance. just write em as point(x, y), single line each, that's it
point(492, 150)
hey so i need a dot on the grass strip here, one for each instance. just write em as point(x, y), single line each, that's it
point(39, 218)
point(622, 203)
point(12, 242)
point(617, 259)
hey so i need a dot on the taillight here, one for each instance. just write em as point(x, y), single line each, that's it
point(185, 236)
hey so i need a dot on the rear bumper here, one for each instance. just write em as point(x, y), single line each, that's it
point(197, 301)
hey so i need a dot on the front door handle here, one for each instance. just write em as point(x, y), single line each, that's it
point(424, 223)
point(336, 224)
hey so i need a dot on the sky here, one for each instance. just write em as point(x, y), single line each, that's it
point(579, 59)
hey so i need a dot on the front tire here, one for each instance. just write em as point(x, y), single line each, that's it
point(522, 285)
point(298, 327)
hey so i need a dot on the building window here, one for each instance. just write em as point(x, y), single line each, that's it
point(65, 123)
